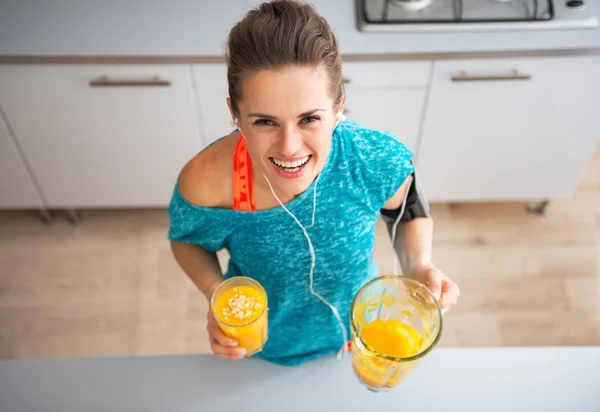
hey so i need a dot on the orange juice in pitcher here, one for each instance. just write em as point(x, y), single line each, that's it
point(395, 322)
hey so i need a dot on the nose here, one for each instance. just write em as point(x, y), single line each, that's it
point(291, 141)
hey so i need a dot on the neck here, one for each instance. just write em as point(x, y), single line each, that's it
point(264, 188)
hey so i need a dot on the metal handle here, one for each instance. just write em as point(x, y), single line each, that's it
point(104, 81)
point(345, 80)
point(515, 75)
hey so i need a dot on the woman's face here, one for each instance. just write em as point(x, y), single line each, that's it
point(287, 117)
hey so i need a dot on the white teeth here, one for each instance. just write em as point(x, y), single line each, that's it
point(291, 165)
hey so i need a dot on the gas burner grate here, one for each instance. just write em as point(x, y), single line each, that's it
point(459, 11)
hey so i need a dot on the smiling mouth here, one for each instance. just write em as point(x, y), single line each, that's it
point(291, 167)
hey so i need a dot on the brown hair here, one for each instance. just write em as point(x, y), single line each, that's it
point(279, 34)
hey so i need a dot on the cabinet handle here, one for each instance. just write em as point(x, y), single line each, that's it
point(515, 75)
point(104, 81)
point(345, 80)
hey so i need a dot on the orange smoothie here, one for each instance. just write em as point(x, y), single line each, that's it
point(396, 321)
point(240, 308)
point(391, 338)
point(388, 338)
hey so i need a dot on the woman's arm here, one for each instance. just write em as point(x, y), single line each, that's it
point(413, 245)
point(200, 265)
point(413, 239)
point(203, 268)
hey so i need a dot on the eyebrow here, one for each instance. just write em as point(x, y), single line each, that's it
point(271, 117)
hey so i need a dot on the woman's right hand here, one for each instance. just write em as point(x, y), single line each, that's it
point(221, 345)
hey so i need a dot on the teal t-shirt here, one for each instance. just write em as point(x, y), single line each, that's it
point(364, 169)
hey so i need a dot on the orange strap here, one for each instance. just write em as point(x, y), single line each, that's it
point(243, 195)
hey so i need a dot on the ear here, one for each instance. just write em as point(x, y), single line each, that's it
point(233, 116)
point(342, 103)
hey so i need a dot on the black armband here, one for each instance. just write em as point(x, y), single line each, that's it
point(417, 204)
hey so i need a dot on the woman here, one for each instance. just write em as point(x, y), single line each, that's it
point(294, 193)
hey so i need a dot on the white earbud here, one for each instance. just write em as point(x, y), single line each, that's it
point(234, 122)
point(340, 118)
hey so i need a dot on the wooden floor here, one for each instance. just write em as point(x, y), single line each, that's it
point(110, 286)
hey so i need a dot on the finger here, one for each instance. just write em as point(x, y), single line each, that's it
point(228, 356)
point(450, 295)
point(447, 301)
point(226, 352)
point(216, 332)
point(452, 289)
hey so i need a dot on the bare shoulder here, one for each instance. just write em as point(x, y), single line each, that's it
point(206, 180)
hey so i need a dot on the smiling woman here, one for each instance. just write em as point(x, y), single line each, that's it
point(294, 193)
point(287, 117)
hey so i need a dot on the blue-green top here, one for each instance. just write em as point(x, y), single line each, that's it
point(364, 169)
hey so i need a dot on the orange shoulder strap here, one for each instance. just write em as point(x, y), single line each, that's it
point(243, 195)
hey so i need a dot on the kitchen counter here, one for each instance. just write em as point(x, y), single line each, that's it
point(450, 379)
point(196, 30)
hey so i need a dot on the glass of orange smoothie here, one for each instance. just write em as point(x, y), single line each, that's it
point(240, 307)
point(395, 322)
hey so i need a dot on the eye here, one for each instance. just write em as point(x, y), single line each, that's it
point(310, 119)
point(264, 122)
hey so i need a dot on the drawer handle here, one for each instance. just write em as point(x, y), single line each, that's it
point(515, 75)
point(104, 81)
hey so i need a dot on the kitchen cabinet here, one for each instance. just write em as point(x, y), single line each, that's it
point(103, 135)
point(509, 129)
point(92, 135)
point(17, 190)
point(388, 96)
point(212, 92)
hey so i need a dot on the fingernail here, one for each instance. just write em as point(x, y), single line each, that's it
point(241, 353)
point(232, 343)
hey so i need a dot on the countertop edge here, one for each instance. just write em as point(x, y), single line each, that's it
point(362, 57)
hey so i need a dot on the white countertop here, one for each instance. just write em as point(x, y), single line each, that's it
point(200, 28)
point(449, 379)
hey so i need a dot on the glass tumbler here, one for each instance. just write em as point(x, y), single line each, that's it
point(395, 306)
point(240, 307)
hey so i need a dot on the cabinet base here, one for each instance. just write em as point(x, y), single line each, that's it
point(74, 217)
point(46, 216)
point(538, 208)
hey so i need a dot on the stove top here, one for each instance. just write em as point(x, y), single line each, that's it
point(454, 15)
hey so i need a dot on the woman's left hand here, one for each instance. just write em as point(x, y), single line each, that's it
point(442, 287)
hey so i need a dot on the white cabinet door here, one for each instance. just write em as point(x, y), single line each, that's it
point(509, 129)
point(103, 136)
point(388, 96)
point(212, 92)
point(16, 187)
point(394, 110)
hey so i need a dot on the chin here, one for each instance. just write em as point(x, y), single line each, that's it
point(293, 187)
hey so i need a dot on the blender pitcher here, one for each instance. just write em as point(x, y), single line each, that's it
point(395, 322)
